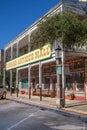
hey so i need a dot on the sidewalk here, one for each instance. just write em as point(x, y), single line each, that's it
point(72, 108)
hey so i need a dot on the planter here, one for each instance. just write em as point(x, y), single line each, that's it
point(22, 91)
point(71, 96)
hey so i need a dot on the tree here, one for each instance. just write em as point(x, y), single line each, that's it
point(66, 28)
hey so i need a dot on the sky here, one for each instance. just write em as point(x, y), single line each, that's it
point(17, 15)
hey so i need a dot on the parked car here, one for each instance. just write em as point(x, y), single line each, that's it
point(3, 92)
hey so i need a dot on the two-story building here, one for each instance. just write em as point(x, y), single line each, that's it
point(36, 69)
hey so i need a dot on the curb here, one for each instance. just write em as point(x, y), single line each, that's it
point(63, 111)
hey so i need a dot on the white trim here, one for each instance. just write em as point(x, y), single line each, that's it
point(35, 64)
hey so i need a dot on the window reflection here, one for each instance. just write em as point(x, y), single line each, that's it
point(75, 80)
point(79, 81)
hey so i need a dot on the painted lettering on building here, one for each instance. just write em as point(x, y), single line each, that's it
point(34, 56)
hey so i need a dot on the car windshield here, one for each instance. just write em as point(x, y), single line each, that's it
point(1, 86)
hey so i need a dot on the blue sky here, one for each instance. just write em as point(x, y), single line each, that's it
point(17, 15)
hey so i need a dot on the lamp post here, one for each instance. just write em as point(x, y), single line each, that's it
point(59, 75)
point(40, 79)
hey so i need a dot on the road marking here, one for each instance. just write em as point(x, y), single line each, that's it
point(22, 120)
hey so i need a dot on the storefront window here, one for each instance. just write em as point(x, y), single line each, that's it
point(54, 80)
point(68, 82)
point(78, 81)
point(71, 67)
point(75, 80)
point(78, 65)
point(37, 82)
point(33, 82)
point(46, 82)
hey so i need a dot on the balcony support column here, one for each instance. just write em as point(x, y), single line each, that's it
point(40, 80)
point(17, 80)
point(11, 82)
point(17, 47)
point(29, 81)
point(29, 43)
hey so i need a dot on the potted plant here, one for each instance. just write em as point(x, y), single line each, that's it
point(71, 96)
point(22, 91)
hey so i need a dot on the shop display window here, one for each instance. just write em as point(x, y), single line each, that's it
point(78, 65)
point(68, 82)
point(54, 80)
point(46, 82)
point(75, 80)
point(78, 81)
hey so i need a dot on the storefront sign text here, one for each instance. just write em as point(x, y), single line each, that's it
point(31, 57)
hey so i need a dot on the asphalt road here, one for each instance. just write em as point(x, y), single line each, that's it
point(16, 116)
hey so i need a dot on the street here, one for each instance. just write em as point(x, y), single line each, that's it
point(16, 116)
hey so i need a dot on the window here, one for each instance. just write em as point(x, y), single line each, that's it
point(79, 64)
point(75, 80)
point(68, 82)
point(46, 82)
point(71, 67)
point(78, 81)
point(54, 80)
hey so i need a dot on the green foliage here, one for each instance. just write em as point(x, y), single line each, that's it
point(72, 30)
point(84, 38)
point(66, 28)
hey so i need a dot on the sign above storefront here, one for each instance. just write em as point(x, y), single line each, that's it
point(31, 57)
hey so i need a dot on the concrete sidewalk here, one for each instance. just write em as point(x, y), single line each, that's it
point(73, 108)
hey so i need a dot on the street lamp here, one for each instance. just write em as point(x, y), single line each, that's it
point(57, 51)
point(59, 75)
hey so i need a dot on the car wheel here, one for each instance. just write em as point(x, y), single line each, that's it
point(4, 95)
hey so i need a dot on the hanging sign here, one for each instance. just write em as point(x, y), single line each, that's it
point(58, 70)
